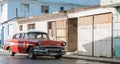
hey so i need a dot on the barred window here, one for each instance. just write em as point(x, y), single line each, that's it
point(44, 9)
point(20, 28)
point(61, 8)
point(25, 7)
point(31, 26)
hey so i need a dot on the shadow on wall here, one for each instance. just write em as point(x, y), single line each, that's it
point(101, 48)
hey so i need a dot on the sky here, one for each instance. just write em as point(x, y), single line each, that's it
point(80, 2)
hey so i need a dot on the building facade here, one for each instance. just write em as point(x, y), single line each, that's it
point(90, 31)
point(12, 9)
point(26, 8)
point(57, 25)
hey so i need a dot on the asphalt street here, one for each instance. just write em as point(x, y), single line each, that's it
point(5, 58)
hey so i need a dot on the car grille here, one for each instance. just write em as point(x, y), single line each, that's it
point(53, 50)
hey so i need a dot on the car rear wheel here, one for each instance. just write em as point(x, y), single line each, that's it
point(31, 54)
point(58, 56)
point(11, 53)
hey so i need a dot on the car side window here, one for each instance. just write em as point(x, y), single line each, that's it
point(16, 36)
point(21, 35)
point(30, 35)
point(25, 36)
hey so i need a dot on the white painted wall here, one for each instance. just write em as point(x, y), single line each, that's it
point(39, 25)
point(109, 2)
point(10, 29)
point(3, 14)
point(92, 12)
point(42, 26)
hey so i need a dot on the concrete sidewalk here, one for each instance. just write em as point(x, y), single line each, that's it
point(111, 60)
point(1, 49)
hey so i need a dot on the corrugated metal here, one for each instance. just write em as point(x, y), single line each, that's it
point(85, 35)
point(103, 35)
point(61, 30)
point(95, 35)
point(61, 39)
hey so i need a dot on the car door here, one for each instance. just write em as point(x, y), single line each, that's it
point(14, 43)
point(22, 43)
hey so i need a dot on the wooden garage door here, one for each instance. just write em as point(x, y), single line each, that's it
point(52, 30)
point(103, 35)
point(72, 33)
point(61, 30)
point(85, 35)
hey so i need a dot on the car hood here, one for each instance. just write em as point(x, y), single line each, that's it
point(47, 42)
point(51, 43)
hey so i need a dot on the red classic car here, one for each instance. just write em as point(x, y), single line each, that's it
point(35, 43)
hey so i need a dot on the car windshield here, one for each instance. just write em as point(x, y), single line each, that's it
point(37, 35)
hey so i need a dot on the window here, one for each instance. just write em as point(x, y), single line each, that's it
point(44, 9)
point(10, 29)
point(25, 7)
point(49, 25)
point(61, 8)
point(16, 36)
point(31, 26)
point(25, 36)
point(37, 35)
point(72, 8)
point(2, 8)
point(19, 36)
point(20, 28)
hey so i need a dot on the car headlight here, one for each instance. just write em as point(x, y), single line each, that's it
point(39, 43)
point(64, 43)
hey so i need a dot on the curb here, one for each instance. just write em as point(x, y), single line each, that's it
point(109, 60)
point(1, 49)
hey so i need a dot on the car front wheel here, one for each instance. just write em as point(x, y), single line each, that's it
point(58, 56)
point(31, 54)
point(10, 52)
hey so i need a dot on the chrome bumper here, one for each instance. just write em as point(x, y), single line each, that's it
point(50, 52)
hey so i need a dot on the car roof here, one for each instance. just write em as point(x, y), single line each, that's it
point(32, 31)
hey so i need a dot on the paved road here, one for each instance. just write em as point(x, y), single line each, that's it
point(23, 59)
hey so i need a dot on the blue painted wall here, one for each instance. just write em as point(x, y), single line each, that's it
point(78, 2)
point(35, 8)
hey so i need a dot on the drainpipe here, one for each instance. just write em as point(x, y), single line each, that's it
point(118, 11)
point(16, 13)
